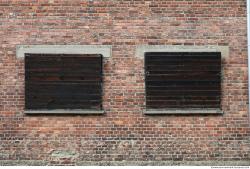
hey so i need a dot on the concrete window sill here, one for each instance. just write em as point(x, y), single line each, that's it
point(182, 111)
point(64, 111)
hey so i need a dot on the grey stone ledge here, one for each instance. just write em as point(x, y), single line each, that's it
point(142, 49)
point(182, 111)
point(104, 50)
point(64, 111)
point(23, 163)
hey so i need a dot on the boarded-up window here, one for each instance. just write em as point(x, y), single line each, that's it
point(183, 79)
point(55, 81)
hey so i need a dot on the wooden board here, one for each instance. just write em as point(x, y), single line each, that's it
point(183, 79)
point(63, 81)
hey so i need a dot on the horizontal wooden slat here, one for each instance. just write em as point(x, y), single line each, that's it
point(184, 77)
point(62, 88)
point(180, 63)
point(182, 92)
point(172, 71)
point(184, 83)
point(182, 55)
point(85, 70)
point(153, 105)
point(71, 93)
point(60, 73)
point(183, 68)
point(70, 62)
point(84, 84)
point(40, 104)
point(60, 65)
point(69, 104)
point(162, 97)
point(174, 102)
point(180, 87)
point(64, 78)
point(46, 98)
point(61, 102)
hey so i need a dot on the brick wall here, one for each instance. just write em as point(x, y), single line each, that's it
point(123, 132)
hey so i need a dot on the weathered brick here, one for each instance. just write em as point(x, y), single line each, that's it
point(124, 132)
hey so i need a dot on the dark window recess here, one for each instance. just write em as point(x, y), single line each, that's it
point(55, 81)
point(183, 79)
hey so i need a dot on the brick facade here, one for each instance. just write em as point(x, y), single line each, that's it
point(123, 133)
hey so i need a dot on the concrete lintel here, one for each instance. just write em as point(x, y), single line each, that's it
point(104, 50)
point(64, 111)
point(142, 49)
point(183, 111)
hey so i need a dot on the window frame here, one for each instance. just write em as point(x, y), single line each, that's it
point(143, 49)
point(104, 50)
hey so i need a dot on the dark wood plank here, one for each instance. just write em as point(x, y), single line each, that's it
point(63, 82)
point(183, 92)
point(193, 67)
point(183, 79)
point(62, 88)
point(192, 97)
point(69, 104)
point(181, 55)
point(180, 87)
point(184, 83)
point(199, 76)
point(64, 78)
point(153, 105)
point(192, 62)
